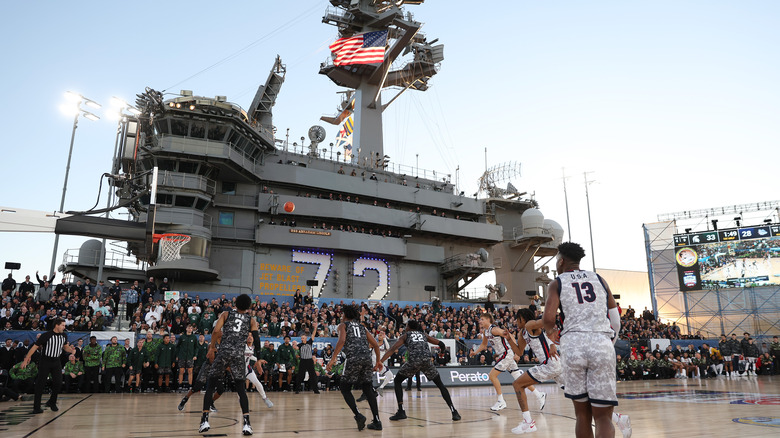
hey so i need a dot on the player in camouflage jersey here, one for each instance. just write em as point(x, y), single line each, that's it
point(230, 332)
point(200, 383)
point(357, 344)
point(416, 342)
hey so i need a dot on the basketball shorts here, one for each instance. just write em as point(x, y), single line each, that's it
point(507, 363)
point(164, 370)
point(203, 374)
point(183, 363)
point(411, 368)
point(589, 367)
point(357, 371)
point(550, 370)
point(225, 359)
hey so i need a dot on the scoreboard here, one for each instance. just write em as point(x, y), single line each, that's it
point(716, 259)
point(728, 235)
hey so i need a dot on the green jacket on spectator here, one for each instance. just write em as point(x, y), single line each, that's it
point(274, 329)
point(200, 352)
point(74, 368)
point(136, 359)
point(286, 353)
point(185, 348)
point(193, 318)
point(114, 356)
point(270, 356)
point(207, 320)
point(166, 355)
point(17, 373)
point(150, 348)
point(92, 355)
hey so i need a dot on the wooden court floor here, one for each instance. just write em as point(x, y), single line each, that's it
point(666, 408)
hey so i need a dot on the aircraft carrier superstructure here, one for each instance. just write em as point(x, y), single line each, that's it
point(267, 216)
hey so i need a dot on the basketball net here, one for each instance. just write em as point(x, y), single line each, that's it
point(170, 245)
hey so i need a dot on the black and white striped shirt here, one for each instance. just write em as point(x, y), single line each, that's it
point(305, 349)
point(50, 344)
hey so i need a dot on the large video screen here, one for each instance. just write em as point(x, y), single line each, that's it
point(736, 257)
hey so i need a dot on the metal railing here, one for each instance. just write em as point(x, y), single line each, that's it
point(92, 258)
point(187, 181)
point(207, 148)
point(236, 200)
point(171, 216)
point(237, 233)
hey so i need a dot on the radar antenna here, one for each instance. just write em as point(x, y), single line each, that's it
point(490, 180)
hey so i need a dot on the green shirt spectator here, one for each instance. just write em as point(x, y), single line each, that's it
point(286, 352)
point(92, 355)
point(29, 372)
point(166, 355)
point(114, 356)
point(74, 368)
point(274, 328)
point(207, 319)
point(136, 359)
point(185, 347)
point(150, 348)
point(201, 349)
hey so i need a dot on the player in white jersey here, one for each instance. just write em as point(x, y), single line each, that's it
point(505, 360)
point(385, 375)
point(249, 359)
point(590, 322)
point(530, 333)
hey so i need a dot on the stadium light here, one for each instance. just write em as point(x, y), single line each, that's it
point(76, 111)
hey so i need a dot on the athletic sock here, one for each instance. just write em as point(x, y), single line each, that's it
point(615, 417)
point(527, 416)
point(537, 393)
point(501, 398)
point(204, 417)
point(246, 419)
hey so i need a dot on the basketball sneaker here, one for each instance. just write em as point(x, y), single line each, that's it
point(268, 402)
point(400, 415)
point(247, 430)
point(182, 403)
point(360, 419)
point(204, 426)
point(212, 408)
point(455, 415)
point(525, 427)
point(624, 424)
point(375, 425)
point(542, 400)
point(498, 406)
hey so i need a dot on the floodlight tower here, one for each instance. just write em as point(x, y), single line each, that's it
point(355, 17)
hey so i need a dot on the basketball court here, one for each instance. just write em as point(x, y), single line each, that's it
point(671, 408)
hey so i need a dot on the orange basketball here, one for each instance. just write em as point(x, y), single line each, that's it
point(289, 207)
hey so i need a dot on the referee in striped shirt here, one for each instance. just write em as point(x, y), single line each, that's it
point(307, 361)
point(51, 344)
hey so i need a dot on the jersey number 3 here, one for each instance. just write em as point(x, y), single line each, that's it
point(587, 288)
point(239, 323)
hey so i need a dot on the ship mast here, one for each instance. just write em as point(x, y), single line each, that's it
point(353, 17)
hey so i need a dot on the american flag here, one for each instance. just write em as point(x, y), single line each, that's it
point(364, 48)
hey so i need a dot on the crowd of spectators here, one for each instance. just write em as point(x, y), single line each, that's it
point(86, 307)
point(730, 358)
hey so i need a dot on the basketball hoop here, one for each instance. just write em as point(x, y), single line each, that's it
point(170, 245)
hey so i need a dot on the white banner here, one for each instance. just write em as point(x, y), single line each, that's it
point(121, 336)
